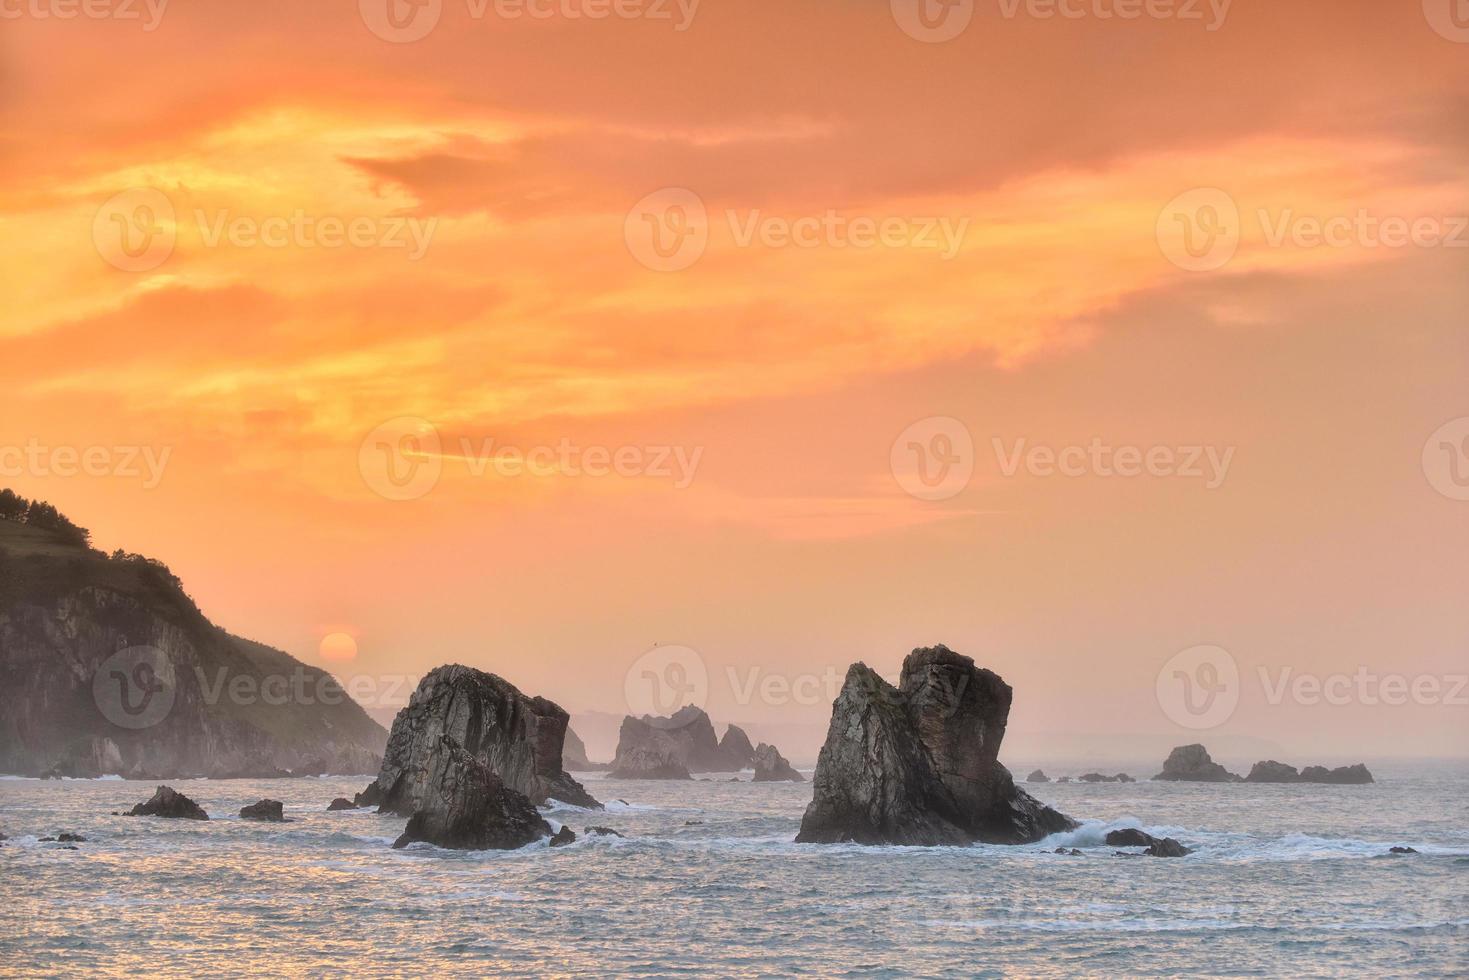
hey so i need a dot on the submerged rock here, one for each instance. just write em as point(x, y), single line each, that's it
point(517, 737)
point(1167, 848)
point(271, 810)
point(602, 832)
point(341, 803)
point(772, 767)
point(464, 805)
point(918, 764)
point(1401, 850)
point(1037, 777)
point(166, 802)
point(563, 837)
point(1191, 764)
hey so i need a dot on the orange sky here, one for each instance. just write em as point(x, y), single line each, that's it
point(524, 315)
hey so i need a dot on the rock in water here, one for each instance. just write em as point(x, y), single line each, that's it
point(341, 803)
point(166, 802)
point(1191, 764)
point(651, 756)
point(917, 764)
point(736, 749)
point(271, 810)
point(772, 767)
point(465, 806)
point(1037, 777)
point(1167, 848)
point(563, 837)
point(1271, 771)
point(1129, 837)
point(1341, 776)
point(518, 737)
point(1401, 850)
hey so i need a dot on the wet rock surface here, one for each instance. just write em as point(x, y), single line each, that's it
point(166, 802)
point(918, 764)
point(464, 805)
point(268, 810)
point(519, 738)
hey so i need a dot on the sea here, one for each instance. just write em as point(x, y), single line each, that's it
point(706, 881)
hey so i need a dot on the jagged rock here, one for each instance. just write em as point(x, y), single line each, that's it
point(736, 749)
point(1167, 848)
point(1191, 764)
point(1072, 852)
point(574, 756)
point(1129, 837)
point(271, 810)
point(1341, 776)
point(686, 737)
point(772, 767)
point(341, 803)
point(1401, 850)
point(1096, 777)
point(602, 832)
point(917, 764)
point(563, 837)
point(1037, 777)
point(517, 737)
point(463, 804)
point(648, 752)
point(1064, 779)
point(166, 802)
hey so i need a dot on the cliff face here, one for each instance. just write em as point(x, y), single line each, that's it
point(918, 764)
point(111, 669)
point(519, 738)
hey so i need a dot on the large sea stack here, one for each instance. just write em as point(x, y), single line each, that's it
point(463, 804)
point(918, 764)
point(519, 738)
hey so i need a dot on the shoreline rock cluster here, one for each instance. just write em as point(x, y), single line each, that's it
point(681, 744)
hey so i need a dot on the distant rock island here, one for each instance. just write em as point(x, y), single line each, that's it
point(772, 767)
point(674, 747)
point(1271, 771)
point(1191, 763)
point(111, 669)
point(518, 738)
point(918, 764)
